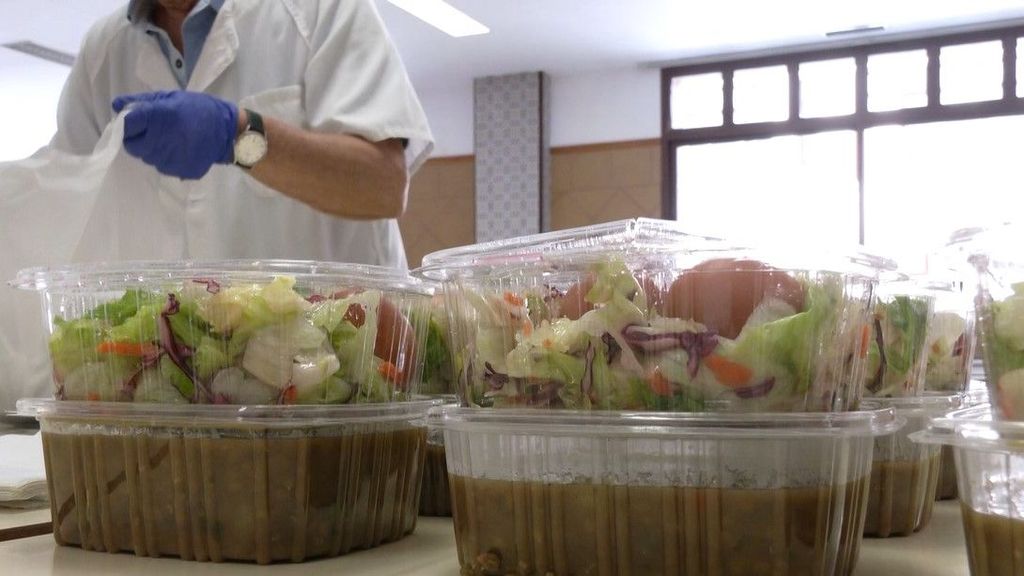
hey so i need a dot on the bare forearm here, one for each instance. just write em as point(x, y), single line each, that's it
point(339, 174)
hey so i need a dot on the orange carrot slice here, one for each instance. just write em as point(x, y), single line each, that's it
point(127, 348)
point(513, 299)
point(390, 371)
point(659, 384)
point(865, 340)
point(732, 374)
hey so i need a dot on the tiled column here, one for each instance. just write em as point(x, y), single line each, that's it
point(513, 155)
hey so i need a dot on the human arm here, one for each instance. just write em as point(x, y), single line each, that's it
point(339, 174)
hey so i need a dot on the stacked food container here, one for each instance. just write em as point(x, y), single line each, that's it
point(439, 383)
point(950, 351)
point(244, 410)
point(639, 401)
point(987, 441)
point(904, 474)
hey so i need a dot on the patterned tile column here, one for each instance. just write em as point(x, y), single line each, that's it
point(513, 155)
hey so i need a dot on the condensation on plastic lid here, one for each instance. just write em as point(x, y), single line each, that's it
point(120, 275)
point(583, 423)
point(974, 428)
point(269, 416)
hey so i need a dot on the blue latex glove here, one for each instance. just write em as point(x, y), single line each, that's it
point(179, 133)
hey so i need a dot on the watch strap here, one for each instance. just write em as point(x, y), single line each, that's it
point(255, 122)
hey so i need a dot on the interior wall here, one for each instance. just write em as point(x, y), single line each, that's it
point(605, 158)
point(589, 184)
point(606, 106)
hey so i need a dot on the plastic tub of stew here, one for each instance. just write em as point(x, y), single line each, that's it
point(585, 492)
point(181, 387)
point(989, 457)
point(639, 315)
point(905, 474)
point(975, 395)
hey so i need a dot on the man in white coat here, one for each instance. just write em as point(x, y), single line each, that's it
point(272, 129)
point(278, 128)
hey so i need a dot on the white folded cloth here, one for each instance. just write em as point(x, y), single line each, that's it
point(22, 470)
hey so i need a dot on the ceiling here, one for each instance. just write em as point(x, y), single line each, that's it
point(567, 37)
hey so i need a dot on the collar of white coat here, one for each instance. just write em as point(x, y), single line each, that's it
point(139, 10)
point(219, 50)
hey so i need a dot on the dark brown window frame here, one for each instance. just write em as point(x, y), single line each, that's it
point(859, 121)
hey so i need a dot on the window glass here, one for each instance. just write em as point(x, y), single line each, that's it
point(971, 72)
point(760, 95)
point(696, 101)
point(923, 181)
point(828, 88)
point(1020, 67)
point(897, 80)
point(800, 189)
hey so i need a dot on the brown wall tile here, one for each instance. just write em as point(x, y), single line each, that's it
point(589, 185)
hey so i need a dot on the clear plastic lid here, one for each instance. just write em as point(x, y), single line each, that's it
point(265, 416)
point(974, 428)
point(580, 423)
point(643, 242)
point(122, 275)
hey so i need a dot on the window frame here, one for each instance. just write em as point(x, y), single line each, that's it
point(859, 121)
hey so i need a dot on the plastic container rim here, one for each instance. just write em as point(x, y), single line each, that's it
point(974, 428)
point(872, 421)
point(115, 275)
point(271, 416)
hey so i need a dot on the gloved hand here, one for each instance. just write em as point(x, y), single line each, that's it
point(179, 133)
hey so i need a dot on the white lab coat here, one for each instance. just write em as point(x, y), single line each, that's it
point(324, 65)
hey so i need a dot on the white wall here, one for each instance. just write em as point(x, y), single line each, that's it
point(606, 106)
point(29, 93)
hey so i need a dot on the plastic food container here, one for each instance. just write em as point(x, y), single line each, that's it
point(989, 456)
point(949, 345)
point(438, 382)
point(215, 483)
point(438, 376)
point(976, 395)
point(896, 354)
point(904, 474)
point(639, 315)
point(435, 497)
point(999, 304)
point(232, 332)
point(577, 492)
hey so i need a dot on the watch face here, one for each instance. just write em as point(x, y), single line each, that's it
point(250, 148)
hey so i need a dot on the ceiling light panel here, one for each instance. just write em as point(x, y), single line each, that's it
point(443, 16)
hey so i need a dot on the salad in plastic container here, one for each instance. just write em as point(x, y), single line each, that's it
point(989, 457)
point(233, 332)
point(950, 341)
point(733, 494)
point(896, 352)
point(995, 254)
point(905, 474)
point(638, 315)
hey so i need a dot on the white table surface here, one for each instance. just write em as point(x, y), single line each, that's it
point(938, 550)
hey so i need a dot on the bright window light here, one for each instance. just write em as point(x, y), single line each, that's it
point(443, 16)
